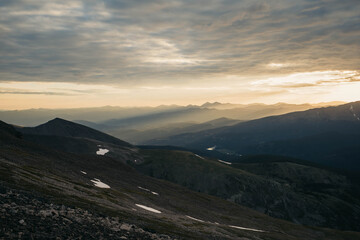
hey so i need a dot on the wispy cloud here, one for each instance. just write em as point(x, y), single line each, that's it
point(33, 93)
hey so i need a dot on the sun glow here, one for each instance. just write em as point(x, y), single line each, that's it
point(277, 65)
point(310, 79)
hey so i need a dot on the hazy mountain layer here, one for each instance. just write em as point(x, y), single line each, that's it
point(199, 114)
point(313, 134)
point(136, 136)
point(33, 117)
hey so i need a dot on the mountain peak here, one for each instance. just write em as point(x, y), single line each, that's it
point(209, 104)
point(65, 128)
point(58, 120)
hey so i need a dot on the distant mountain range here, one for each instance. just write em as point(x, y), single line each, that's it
point(98, 115)
point(161, 124)
point(204, 113)
point(33, 117)
point(138, 125)
point(329, 136)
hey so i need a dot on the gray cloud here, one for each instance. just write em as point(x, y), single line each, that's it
point(139, 42)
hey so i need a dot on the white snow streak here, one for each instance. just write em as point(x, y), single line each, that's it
point(99, 183)
point(195, 219)
point(199, 156)
point(232, 226)
point(148, 208)
point(228, 163)
point(247, 229)
point(83, 172)
point(145, 189)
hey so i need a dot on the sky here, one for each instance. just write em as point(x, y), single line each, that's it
point(64, 54)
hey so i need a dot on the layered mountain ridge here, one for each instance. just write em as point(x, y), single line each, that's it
point(289, 134)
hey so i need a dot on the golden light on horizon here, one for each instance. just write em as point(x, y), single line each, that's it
point(306, 87)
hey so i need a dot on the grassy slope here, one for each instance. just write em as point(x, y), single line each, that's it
point(311, 196)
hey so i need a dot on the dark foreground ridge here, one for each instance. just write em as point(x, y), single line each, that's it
point(47, 193)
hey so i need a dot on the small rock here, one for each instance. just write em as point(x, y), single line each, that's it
point(125, 227)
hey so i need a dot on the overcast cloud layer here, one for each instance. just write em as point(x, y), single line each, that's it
point(142, 43)
point(168, 41)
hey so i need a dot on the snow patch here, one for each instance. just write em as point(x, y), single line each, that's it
point(83, 172)
point(211, 148)
point(228, 163)
point(195, 219)
point(247, 229)
point(99, 183)
point(148, 208)
point(145, 189)
point(232, 226)
point(199, 156)
point(354, 114)
point(102, 151)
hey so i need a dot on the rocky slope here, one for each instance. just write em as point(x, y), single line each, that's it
point(25, 215)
